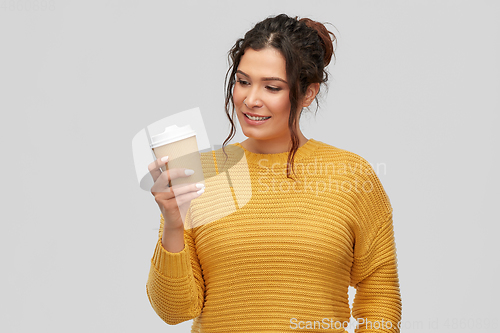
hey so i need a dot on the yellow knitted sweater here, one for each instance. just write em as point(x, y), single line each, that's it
point(278, 255)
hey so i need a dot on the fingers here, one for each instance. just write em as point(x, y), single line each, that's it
point(154, 170)
point(179, 195)
point(161, 185)
point(189, 195)
point(154, 167)
point(162, 182)
point(179, 190)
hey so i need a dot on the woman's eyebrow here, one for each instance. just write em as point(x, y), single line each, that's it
point(263, 79)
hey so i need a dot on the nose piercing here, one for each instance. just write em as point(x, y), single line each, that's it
point(244, 102)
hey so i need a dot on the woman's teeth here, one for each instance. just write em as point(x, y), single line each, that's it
point(256, 118)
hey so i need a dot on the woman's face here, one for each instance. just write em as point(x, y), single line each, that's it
point(261, 83)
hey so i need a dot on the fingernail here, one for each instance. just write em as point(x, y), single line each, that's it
point(164, 159)
point(200, 185)
point(189, 172)
point(201, 191)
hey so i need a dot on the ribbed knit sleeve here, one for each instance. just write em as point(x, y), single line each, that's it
point(175, 285)
point(374, 274)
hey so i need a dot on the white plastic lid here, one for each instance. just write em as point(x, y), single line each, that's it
point(172, 133)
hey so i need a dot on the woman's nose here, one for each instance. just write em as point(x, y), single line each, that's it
point(253, 99)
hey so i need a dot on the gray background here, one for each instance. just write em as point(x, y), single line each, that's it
point(415, 89)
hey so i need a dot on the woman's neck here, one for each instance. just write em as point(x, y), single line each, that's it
point(271, 146)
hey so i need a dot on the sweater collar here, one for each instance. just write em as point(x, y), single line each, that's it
point(306, 150)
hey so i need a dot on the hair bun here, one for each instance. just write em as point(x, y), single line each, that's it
point(324, 35)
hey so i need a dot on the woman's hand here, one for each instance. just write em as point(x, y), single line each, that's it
point(169, 199)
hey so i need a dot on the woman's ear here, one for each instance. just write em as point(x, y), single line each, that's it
point(311, 93)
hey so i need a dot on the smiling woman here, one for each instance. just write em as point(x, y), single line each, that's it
point(281, 63)
point(262, 91)
point(285, 258)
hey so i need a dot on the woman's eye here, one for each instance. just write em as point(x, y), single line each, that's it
point(246, 83)
point(273, 88)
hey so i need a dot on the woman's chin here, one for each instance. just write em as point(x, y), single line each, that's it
point(252, 134)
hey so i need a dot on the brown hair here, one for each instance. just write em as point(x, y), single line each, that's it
point(307, 48)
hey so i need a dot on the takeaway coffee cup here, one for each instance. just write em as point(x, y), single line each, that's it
point(179, 144)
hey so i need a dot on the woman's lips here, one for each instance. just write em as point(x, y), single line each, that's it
point(254, 122)
point(254, 115)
